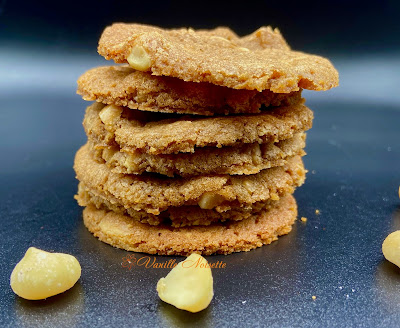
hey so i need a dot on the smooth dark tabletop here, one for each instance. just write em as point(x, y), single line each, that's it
point(353, 161)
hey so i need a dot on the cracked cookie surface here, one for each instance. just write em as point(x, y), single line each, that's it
point(222, 238)
point(160, 133)
point(238, 160)
point(259, 61)
point(175, 216)
point(124, 86)
point(155, 193)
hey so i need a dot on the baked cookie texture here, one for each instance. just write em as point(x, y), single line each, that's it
point(174, 216)
point(195, 143)
point(154, 193)
point(124, 86)
point(259, 229)
point(156, 133)
point(259, 61)
point(243, 159)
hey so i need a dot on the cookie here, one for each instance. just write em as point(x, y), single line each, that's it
point(223, 238)
point(259, 61)
point(242, 159)
point(155, 193)
point(175, 216)
point(124, 86)
point(160, 133)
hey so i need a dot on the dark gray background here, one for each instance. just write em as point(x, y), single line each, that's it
point(325, 27)
point(353, 159)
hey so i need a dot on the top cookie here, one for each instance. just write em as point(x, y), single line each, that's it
point(259, 61)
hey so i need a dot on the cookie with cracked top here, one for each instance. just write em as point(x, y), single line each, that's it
point(259, 229)
point(155, 193)
point(259, 61)
point(181, 216)
point(160, 133)
point(124, 86)
point(242, 159)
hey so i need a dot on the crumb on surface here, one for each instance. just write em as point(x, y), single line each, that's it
point(314, 297)
point(399, 191)
point(317, 211)
point(303, 219)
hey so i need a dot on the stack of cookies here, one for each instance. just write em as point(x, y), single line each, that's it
point(195, 142)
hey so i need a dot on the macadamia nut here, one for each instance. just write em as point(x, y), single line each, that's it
point(110, 114)
point(209, 200)
point(189, 285)
point(391, 248)
point(139, 59)
point(41, 274)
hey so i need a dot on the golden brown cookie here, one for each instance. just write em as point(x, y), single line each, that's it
point(242, 159)
point(174, 216)
point(223, 238)
point(155, 193)
point(259, 61)
point(160, 133)
point(124, 86)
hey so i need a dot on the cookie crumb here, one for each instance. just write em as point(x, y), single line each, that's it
point(317, 211)
point(303, 219)
point(314, 297)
